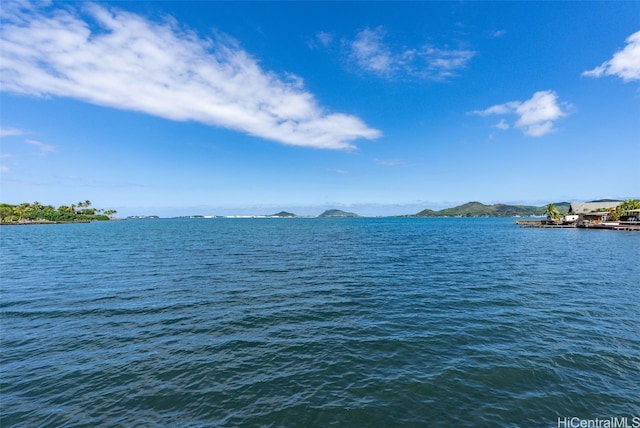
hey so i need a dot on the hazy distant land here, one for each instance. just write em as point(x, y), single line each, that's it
point(15, 213)
point(470, 209)
point(477, 209)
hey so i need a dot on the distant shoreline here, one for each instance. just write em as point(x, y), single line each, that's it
point(38, 222)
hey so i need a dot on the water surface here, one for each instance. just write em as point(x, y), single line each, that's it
point(317, 322)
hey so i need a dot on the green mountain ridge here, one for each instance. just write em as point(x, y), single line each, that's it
point(478, 209)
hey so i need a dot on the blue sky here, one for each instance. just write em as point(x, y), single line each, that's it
point(177, 108)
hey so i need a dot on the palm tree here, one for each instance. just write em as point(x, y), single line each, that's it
point(552, 212)
point(22, 210)
point(86, 208)
point(6, 211)
point(622, 209)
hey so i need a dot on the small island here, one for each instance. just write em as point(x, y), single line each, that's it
point(337, 214)
point(36, 213)
point(283, 214)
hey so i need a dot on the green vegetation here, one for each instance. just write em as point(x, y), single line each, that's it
point(36, 212)
point(283, 214)
point(621, 210)
point(477, 209)
point(337, 213)
point(552, 213)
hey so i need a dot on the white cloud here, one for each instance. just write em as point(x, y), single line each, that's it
point(536, 116)
point(10, 132)
point(325, 38)
point(3, 167)
point(373, 54)
point(339, 171)
point(43, 149)
point(503, 125)
point(390, 162)
point(370, 52)
point(119, 59)
point(625, 63)
point(498, 33)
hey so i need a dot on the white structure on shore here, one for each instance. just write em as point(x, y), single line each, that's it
point(578, 208)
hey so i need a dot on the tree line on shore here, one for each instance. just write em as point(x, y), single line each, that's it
point(36, 212)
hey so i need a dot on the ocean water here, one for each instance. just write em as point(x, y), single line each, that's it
point(318, 322)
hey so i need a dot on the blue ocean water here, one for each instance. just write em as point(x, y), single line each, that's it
point(317, 322)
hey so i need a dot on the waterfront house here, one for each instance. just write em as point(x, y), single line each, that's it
point(596, 215)
point(633, 215)
point(592, 212)
point(578, 208)
point(586, 219)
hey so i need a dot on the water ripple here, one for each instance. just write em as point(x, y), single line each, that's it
point(302, 322)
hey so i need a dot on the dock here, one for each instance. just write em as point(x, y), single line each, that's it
point(628, 226)
point(542, 224)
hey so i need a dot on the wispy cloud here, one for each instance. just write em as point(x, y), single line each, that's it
point(373, 54)
point(625, 63)
point(498, 33)
point(390, 162)
point(325, 38)
point(339, 171)
point(503, 125)
point(536, 116)
point(10, 132)
point(4, 167)
point(114, 58)
point(43, 149)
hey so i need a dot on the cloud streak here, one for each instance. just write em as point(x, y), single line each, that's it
point(114, 58)
point(373, 54)
point(390, 162)
point(624, 64)
point(536, 116)
point(10, 132)
point(43, 149)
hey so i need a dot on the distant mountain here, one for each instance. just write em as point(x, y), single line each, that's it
point(477, 209)
point(337, 213)
point(283, 214)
